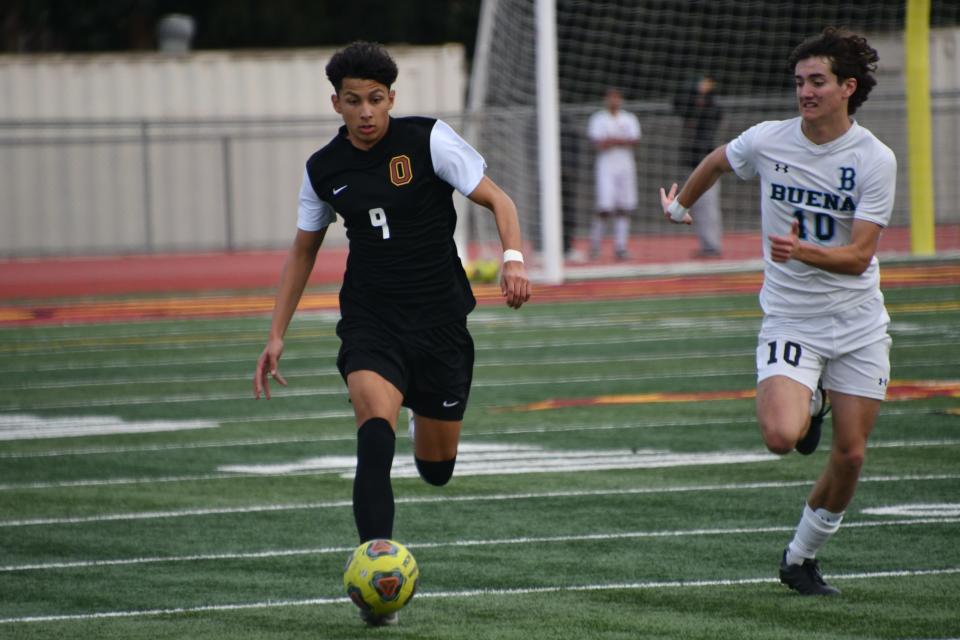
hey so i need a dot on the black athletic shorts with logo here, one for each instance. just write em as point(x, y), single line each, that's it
point(432, 368)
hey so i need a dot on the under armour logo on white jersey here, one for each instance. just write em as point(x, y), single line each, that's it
point(780, 167)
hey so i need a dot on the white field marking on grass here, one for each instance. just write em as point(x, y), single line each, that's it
point(216, 444)
point(921, 510)
point(293, 356)
point(175, 378)
point(475, 593)
point(337, 389)
point(86, 381)
point(20, 426)
point(329, 415)
point(584, 537)
point(345, 464)
point(490, 459)
point(559, 343)
point(481, 324)
point(473, 459)
point(541, 495)
point(170, 399)
point(150, 364)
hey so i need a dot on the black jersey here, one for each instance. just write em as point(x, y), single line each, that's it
point(402, 266)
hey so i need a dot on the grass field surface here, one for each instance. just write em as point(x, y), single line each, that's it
point(611, 483)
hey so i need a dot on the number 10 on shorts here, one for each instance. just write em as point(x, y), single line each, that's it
point(791, 353)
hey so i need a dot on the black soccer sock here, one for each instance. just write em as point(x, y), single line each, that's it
point(372, 491)
point(435, 473)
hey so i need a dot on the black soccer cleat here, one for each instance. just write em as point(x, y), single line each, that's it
point(808, 443)
point(805, 578)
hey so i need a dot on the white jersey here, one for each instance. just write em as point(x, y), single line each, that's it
point(604, 125)
point(824, 187)
point(615, 171)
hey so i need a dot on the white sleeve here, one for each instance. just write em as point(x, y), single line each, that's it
point(454, 160)
point(740, 153)
point(595, 127)
point(635, 130)
point(313, 213)
point(876, 202)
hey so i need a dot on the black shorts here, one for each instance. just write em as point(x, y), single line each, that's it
point(432, 368)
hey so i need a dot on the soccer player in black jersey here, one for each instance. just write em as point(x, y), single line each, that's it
point(405, 296)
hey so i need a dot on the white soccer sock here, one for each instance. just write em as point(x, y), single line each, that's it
point(814, 530)
point(596, 232)
point(621, 229)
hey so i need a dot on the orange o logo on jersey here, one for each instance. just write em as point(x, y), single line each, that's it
point(401, 172)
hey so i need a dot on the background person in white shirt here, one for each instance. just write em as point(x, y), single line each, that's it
point(614, 134)
point(826, 192)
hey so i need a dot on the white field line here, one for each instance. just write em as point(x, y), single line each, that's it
point(320, 321)
point(687, 374)
point(350, 436)
point(563, 342)
point(479, 326)
point(182, 364)
point(481, 321)
point(340, 389)
point(586, 537)
point(28, 426)
point(478, 593)
point(264, 508)
point(664, 336)
point(473, 460)
point(25, 426)
point(485, 464)
point(85, 381)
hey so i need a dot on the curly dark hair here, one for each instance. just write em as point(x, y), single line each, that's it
point(364, 60)
point(850, 57)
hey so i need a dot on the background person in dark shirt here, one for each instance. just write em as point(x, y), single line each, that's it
point(701, 116)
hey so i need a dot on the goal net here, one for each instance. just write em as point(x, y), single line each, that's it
point(655, 53)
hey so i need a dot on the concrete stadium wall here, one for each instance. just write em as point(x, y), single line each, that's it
point(194, 152)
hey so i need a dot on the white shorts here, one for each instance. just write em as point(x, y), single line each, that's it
point(616, 189)
point(850, 350)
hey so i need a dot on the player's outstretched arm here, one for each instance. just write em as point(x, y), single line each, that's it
point(293, 279)
point(850, 259)
point(675, 205)
point(514, 283)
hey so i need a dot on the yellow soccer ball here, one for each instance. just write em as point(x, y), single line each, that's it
point(484, 271)
point(381, 576)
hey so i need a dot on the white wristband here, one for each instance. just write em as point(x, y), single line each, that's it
point(677, 210)
point(512, 255)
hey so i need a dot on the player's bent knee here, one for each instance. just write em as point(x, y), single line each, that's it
point(776, 441)
point(435, 473)
point(780, 447)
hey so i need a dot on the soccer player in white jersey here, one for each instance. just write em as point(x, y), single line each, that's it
point(614, 133)
point(826, 193)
